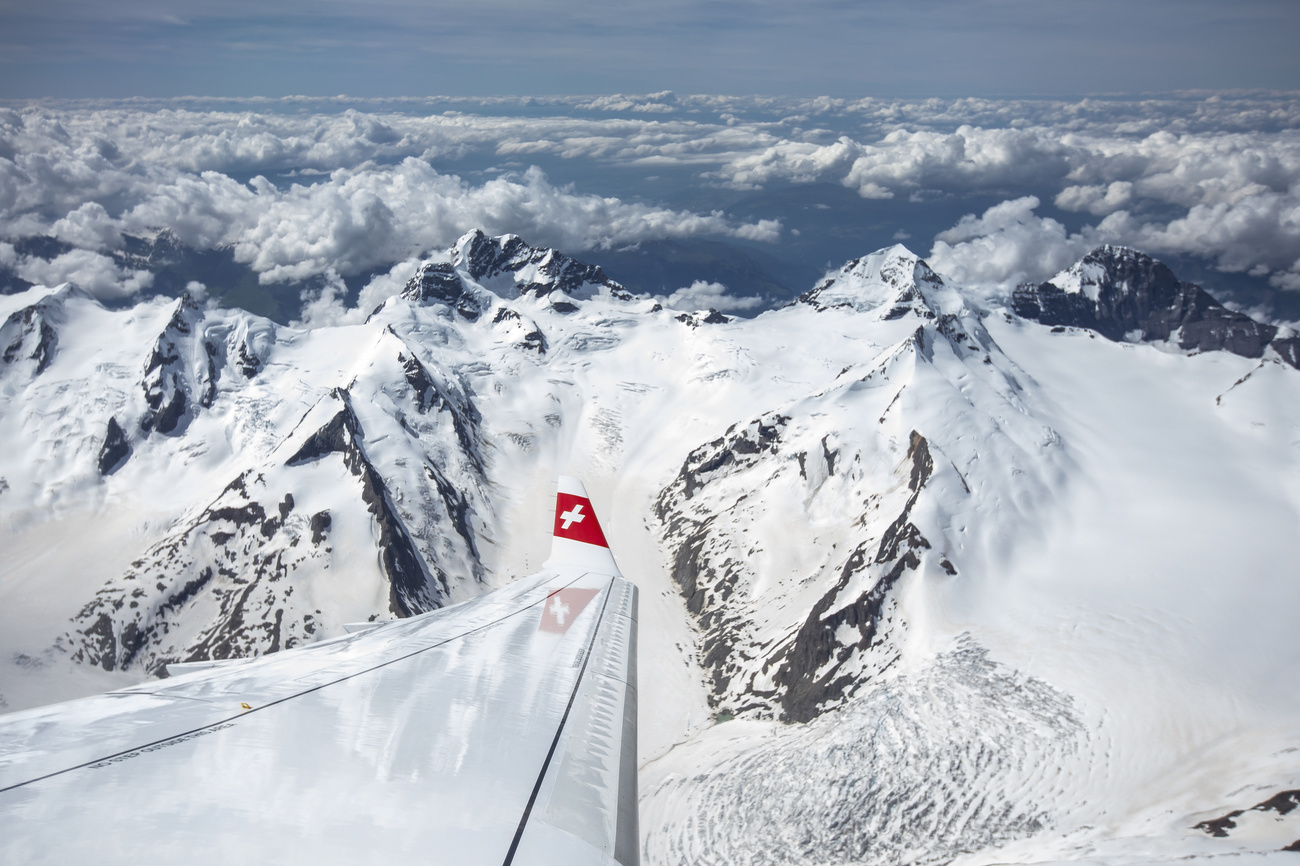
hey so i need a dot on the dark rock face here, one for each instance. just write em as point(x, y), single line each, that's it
point(412, 589)
point(1288, 348)
point(486, 257)
point(165, 382)
point(1137, 296)
point(821, 663)
point(706, 589)
point(232, 557)
point(707, 317)
point(228, 581)
point(186, 365)
point(528, 335)
point(433, 395)
point(1283, 803)
point(900, 269)
point(437, 282)
point(30, 333)
point(809, 670)
point(116, 449)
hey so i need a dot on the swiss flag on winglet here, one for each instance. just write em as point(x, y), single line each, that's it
point(578, 541)
point(575, 519)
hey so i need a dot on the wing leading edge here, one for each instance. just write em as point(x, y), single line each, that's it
point(499, 731)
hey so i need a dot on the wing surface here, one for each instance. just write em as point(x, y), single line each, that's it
point(498, 731)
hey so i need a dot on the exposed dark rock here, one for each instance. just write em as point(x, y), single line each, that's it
point(427, 395)
point(485, 257)
point(1288, 348)
point(208, 385)
point(899, 269)
point(532, 338)
point(247, 361)
point(30, 334)
point(1283, 803)
point(412, 589)
point(227, 555)
point(438, 282)
point(707, 317)
point(1139, 298)
point(320, 525)
point(534, 341)
point(706, 588)
point(166, 382)
point(115, 450)
point(759, 436)
point(809, 669)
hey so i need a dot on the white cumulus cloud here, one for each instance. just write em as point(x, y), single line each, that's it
point(1007, 245)
point(92, 271)
point(702, 295)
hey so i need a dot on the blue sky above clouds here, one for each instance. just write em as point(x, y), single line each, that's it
point(83, 48)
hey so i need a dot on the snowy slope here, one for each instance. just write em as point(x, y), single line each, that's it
point(920, 580)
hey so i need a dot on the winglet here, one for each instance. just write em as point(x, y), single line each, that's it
point(577, 539)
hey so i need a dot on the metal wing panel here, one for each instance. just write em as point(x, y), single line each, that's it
point(432, 753)
point(52, 739)
point(500, 731)
point(591, 790)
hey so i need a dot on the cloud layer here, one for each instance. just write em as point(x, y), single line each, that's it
point(353, 191)
point(298, 187)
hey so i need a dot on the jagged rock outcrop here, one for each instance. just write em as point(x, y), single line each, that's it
point(438, 282)
point(116, 448)
point(766, 654)
point(189, 358)
point(251, 571)
point(30, 335)
point(412, 588)
point(809, 668)
point(246, 574)
point(889, 284)
point(225, 584)
point(703, 317)
point(1124, 294)
point(172, 389)
point(536, 271)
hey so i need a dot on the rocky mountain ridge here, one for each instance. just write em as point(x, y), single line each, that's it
point(1124, 294)
point(906, 545)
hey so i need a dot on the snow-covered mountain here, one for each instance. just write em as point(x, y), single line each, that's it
point(1122, 293)
point(922, 580)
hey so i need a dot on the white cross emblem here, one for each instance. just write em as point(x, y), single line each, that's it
point(574, 515)
point(559, 610)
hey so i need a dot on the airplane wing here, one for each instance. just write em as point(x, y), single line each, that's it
point(498, 731)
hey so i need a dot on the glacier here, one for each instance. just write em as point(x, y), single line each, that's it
point(925, 577)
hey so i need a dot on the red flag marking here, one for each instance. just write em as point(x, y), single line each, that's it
point(575, 519)
point(562, 608)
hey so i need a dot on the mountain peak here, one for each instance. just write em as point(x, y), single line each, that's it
point(1124, 294)
point(1113, 269)
point(509, 266)
point(892, 281)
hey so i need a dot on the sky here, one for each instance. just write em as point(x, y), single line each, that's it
point(851, 48)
